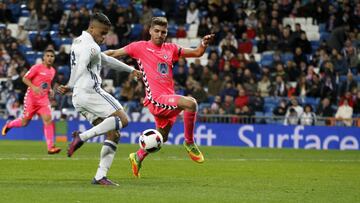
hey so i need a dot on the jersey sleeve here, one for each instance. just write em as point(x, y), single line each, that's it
point(132, 48)
point(177, 51)
point(32, 72)
point(79, 60)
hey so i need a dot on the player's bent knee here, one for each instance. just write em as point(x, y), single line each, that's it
point(124, 121)
point(192, 104)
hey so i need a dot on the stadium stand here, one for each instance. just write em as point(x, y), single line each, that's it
point(324, 69)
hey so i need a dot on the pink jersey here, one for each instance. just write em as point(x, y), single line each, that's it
point(41, 76)
point(156, 63)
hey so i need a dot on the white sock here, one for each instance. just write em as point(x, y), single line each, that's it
point(111, 123)
point(107, 155)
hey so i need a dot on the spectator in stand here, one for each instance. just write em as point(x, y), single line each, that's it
point(291, 117)
point(19, 87)
point(62, 58)
point(5, 13)
point(302, 87)
point(251, 20)
point(252, 65)
point(295, 105)
point(262, 44)
point(344, 113)
point(280, 110)
point(303, 43)
point(13, 107)
point(199, 93)
point(192, 14)
point(350, 54)
point(245, 44)
point(240, 28)
point(279, 87)
point(308, 117)
point(250, 84)
point(180, 13)
point(111, 39)
point(228, 104)
point(181, 76)
point(22, 36)
point(123, 30)
point(203, 28)
point(314, 86)
point(39, 44)
point(297, 32)
point(338, 37)
point(324, 109)
point(75, 28)
point(228, 88)
point(357, 104)
point(181, 32)
point(242, 98)
point(285, 42)
point(256, 102)
point(98, 6)
point(228, 43)
point(340, 64)
point(299, 56)
point(349, 97)
point(44, 23)
point(214, 85)
point(32, 22)
point(264, 86)
point(348, 85)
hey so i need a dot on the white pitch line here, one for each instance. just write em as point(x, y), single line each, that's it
point(182, 159)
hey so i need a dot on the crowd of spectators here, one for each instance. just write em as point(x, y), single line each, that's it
point(233, 81)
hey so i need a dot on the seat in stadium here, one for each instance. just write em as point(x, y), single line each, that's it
point(287, 57)
point(324, 36)
point(136, 30)
point(25, 13)
point(172, 28)
point(158, 12)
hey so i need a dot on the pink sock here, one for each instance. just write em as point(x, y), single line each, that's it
point(17, 123)
point(189, 123)
point(49, 135)
point(141, 154)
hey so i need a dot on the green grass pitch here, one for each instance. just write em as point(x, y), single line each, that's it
point(229, 174)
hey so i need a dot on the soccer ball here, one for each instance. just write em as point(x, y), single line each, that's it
point(151, 140)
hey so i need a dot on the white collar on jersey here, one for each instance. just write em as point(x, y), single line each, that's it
point(87, 35)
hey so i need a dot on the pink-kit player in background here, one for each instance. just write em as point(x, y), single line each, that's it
point(36, 101)
point(155, 59)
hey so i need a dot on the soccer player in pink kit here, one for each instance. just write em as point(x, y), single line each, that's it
point(36, 101)
point(155, 59)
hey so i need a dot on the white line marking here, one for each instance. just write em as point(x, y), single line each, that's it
point(180, 159)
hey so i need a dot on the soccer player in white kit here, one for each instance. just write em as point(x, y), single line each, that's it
point(89, 99)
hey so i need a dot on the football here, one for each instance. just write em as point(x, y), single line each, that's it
point(151, 140)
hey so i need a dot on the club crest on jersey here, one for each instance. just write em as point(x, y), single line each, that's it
point(44, 85)
point(165, 56)
point(163, 68)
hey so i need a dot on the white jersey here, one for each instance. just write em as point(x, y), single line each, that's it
point(85, 61)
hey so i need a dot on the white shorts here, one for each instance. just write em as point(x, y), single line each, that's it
point(94, 104)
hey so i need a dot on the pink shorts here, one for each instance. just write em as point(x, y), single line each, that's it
point(164, 116)
point(34, 106)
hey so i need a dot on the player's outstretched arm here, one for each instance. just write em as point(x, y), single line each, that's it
point(116, 53)
point(200, 50)
point(115, 64)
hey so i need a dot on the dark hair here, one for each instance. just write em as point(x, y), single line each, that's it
point(101, 18)
point(162, 21)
